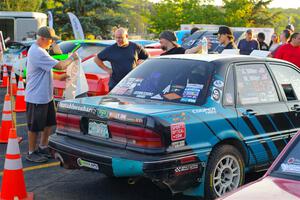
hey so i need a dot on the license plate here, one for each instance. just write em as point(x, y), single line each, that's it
point(98, 129)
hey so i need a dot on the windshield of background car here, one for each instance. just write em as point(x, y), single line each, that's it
point(15, 48)
point(169, 80)
point(67, 47)
point(289, 164)
point(87, 50)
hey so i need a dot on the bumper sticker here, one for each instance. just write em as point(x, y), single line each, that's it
point(83, 163)
point(178, 131)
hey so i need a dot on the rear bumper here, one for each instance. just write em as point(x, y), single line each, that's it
point(177, 172)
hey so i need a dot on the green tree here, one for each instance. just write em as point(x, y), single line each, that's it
point(97, 17)
point(247, 13)
point(20, 5)
point(135, 13)
point(170, 14)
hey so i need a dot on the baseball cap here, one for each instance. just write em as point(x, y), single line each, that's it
point(224, 30)
point(168, 35)
point(249, 31)
point(47, 32)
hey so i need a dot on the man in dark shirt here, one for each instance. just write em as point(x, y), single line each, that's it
point(123, 56)
point(226, 38)
point(168, 42)
point(248, 44)
point(261, 42)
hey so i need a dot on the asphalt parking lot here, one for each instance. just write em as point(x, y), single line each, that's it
point(50, 181)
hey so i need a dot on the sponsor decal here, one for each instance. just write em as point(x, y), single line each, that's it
point(81, 108)
point(117, 116)
point(290, 168)
point(178, 131)
point(178, 144)
point(179, 117)
point(218, 83)
point(102, 114)
point(120, 90)
point(184, 169)
point(172, 96)
point(157, 97)
point(167, 89)
point(125, 117)
point(191, 93)
point(142, 94)
point(211, 110)
point(83, 163)
point(216, 94)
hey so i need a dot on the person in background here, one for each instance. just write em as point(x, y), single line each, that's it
point(123, 56)
point(291, 50)
point(226, 38)
point(194, 29)
point(248, 44)
point(284, 38)
point(291, 28)
point(168, 42)
point(261, 42)
point(274, 42)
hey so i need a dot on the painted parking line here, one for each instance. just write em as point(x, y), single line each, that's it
point(43, 166)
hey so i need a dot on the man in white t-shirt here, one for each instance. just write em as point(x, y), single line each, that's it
point(40, 110)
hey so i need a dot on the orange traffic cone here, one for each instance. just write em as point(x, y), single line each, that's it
point(13, 182)
point(20, 98)
point(13, 83)
point(5, 77)
point(7, 122)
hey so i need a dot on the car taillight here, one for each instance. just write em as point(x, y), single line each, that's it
point(135, 136)
point(24, 53)
point(68, 122)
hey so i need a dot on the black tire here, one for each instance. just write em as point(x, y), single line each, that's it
point(229, 180)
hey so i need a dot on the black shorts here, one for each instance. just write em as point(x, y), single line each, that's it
point(40, 116)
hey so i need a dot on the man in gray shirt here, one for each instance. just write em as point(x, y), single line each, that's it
point(40, 110)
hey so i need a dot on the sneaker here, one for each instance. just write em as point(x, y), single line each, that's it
point(36, 157)
point(44, 152)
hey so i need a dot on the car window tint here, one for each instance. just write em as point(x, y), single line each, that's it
point(86, 51)
point(229, 89)
point(255, 85)
point(67, 47)
point(171, 80)
point(289, 164)
point(288, 79)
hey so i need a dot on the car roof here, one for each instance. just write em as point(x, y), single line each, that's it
point(219, 57)
point(105, 42)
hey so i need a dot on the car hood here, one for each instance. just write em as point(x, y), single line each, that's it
point(128, 104)
point(268, 188)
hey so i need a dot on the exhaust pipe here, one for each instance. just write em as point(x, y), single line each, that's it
point(59, 157)
point(133, 180)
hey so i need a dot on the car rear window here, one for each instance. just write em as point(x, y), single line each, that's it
point(87, 50)
point(170, 80)
point(15, 48)
point(289, 165)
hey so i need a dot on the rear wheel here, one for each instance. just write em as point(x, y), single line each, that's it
point(224, 172)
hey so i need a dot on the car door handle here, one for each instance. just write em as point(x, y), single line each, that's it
point(296, 108)
point(249, 112)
